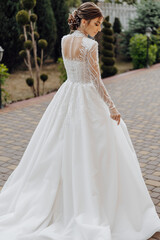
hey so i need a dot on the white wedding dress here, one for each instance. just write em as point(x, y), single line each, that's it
point(79, 178)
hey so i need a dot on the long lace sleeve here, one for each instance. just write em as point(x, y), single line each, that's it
point(93, 62)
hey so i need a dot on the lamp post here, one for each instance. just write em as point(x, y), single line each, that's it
point(1, 56)
point(148, 34)
point(1, 53)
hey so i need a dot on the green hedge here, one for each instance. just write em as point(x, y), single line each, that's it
point(138, 51)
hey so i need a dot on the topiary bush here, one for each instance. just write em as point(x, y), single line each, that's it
point(42, 43)
point(30, 82)
point(28, 4)
point(117, 25)
point(28, 44)
point(138, 51)
point(22, 38)
point(22, 17)
point(23, 54)
point(44, 78)
point(107, 56)
point(33, 17)
point(36, 35)
point(117, 30)
point(27, 18)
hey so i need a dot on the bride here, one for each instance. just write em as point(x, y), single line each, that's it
point(79, 177)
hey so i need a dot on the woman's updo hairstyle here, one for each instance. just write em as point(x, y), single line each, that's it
point(87, 11)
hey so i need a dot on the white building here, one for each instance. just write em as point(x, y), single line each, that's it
point(123, 11)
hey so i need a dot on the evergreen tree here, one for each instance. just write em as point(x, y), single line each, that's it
point(117, 25)
point(61, 12)
point(147, 16)
point(122, 1)
point(108, 61)
point(117, 31)
point(95, 1)
point(9, 32)
point(73, 3)
point(46, 24)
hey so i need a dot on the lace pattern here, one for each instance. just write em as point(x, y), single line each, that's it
point(80, 55)
point(82, 47)
point(94, 71)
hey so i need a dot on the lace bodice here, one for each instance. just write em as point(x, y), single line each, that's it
point(80, 56)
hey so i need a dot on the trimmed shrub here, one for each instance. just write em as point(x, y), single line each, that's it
point(36, 35)
point(33, 17)
point(28, 4)
point(22, 17)
point(44, 77)
point(117, 25)
point(30, 55)
point(30, 82)
point(23, 54)
point(42, 43)
point(138, 51)
point(28, 44)
point(22, 38)
point(108, 60)
point(107, 53)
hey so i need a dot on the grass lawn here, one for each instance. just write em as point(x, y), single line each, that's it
point(123, 66)
point(18, 89)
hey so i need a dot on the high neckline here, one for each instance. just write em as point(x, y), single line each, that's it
point(79, 33)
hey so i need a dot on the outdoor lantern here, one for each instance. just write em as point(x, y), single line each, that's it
point(148, 34)
point(1, 53)
point(148, 31)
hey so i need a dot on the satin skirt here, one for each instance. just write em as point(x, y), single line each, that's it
point(79, 177)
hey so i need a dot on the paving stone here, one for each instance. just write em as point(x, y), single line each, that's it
point(157, 190)
point(12, 167)
point(2, 158)
point(156, 178)
point(156, 173)
point(156, 201)
point(153, 183)
point(155, 195)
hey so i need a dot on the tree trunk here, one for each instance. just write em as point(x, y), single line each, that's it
point(35, 55)
point(28, 62)
point(28, 54)
point(41, 59)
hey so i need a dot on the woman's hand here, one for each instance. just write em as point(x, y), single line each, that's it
point(115, 115)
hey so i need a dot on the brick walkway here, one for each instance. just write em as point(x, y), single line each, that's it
point(137, 97)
